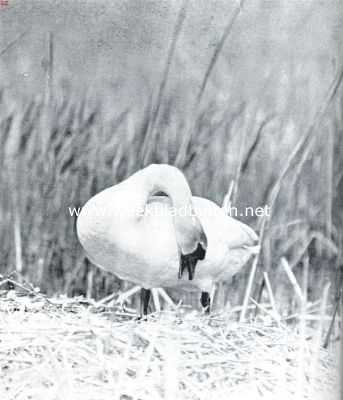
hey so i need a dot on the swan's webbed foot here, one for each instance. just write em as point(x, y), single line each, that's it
point(189, 261)
point(205, 301)
point(145, 298)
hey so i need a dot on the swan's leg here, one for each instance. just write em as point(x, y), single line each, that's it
point(155, 293)
point(205, 301)
point(145, 297)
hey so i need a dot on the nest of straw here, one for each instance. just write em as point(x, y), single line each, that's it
point(71, 349)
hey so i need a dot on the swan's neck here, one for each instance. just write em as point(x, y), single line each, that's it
point(169, 180)
point(189, 234)
point(161, 178)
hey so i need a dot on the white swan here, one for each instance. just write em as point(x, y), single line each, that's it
point(230, 246)
point(151, 240)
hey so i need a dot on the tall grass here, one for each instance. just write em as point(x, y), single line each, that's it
point(57, 155)
point(59, 148)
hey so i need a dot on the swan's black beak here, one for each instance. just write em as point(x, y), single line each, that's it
point(189, 261)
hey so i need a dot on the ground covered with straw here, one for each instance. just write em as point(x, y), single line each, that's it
point(76, 349)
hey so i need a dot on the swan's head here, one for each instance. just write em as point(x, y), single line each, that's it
point(192, 242)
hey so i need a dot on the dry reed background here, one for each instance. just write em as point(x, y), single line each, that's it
point(279, 148)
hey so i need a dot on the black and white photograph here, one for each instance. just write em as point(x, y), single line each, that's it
point(171, 199)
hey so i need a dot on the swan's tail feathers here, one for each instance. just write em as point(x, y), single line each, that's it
point(240, 235)
point(251, 235)
point(254, 250)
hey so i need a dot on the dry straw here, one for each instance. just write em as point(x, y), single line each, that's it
point(78, 349)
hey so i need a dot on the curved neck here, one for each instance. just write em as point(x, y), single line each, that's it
point(167, 179)
point(170, 180)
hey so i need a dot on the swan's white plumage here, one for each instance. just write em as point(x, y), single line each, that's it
point(230, 245)
point(127, 231)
